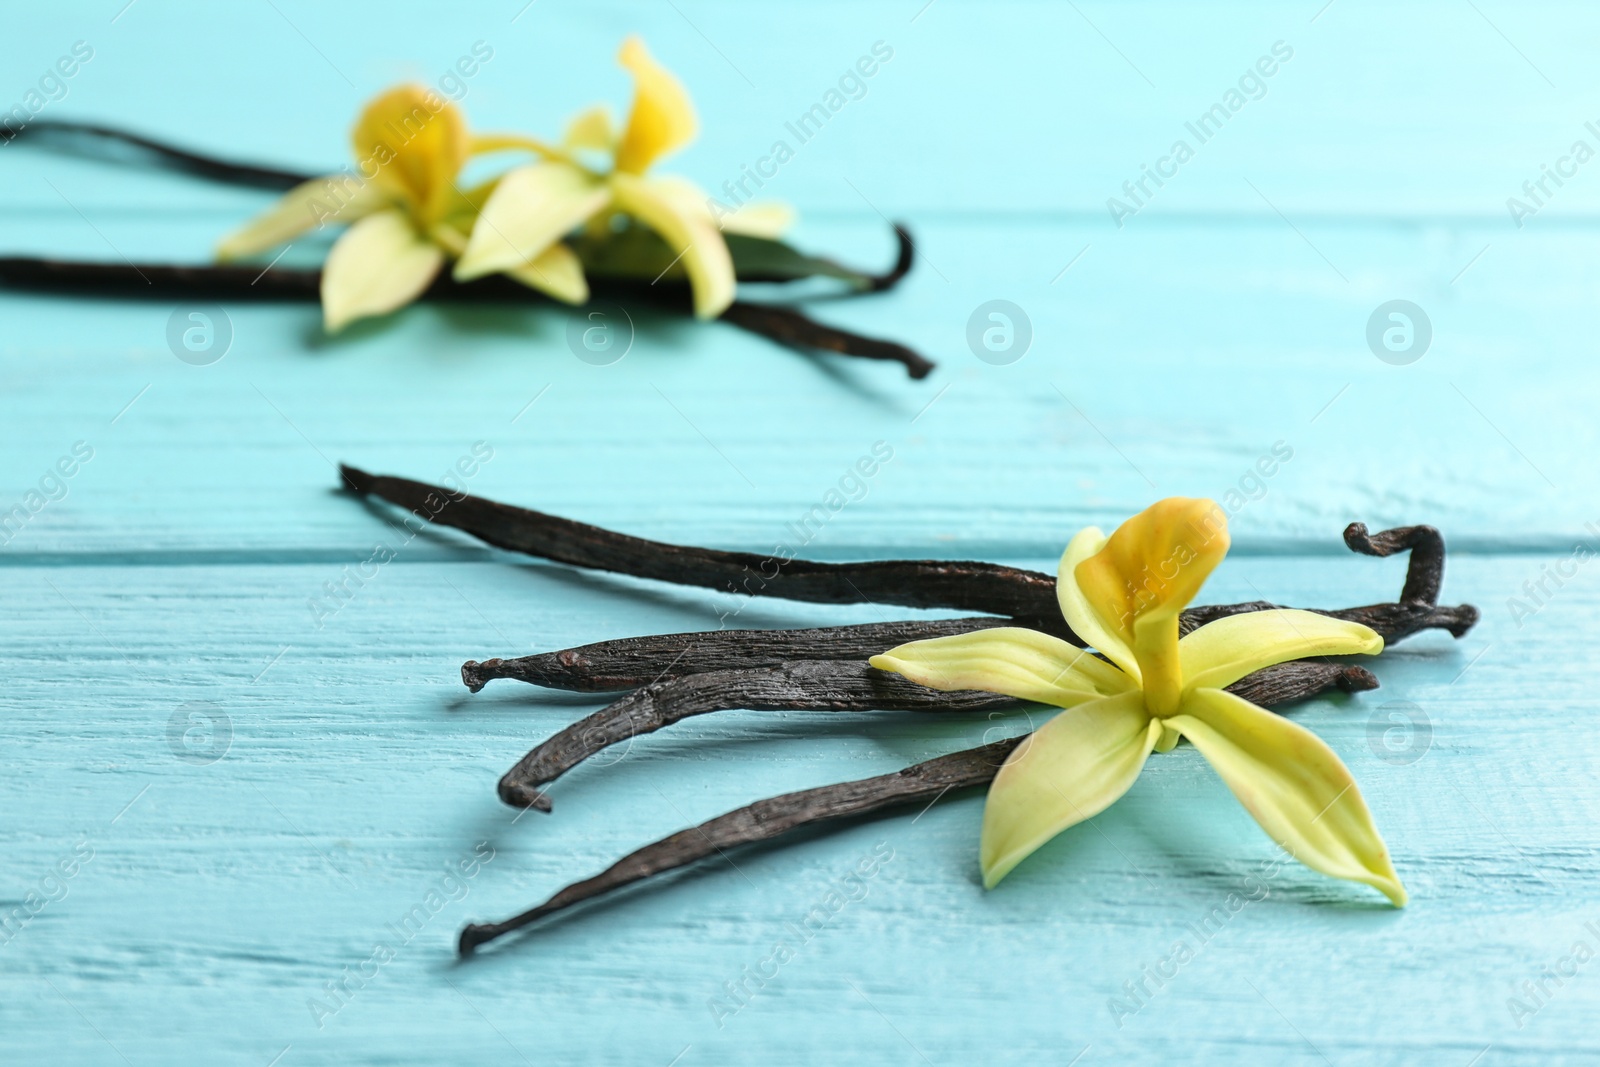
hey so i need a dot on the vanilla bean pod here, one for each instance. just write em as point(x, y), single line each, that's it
point(791, 329)
point(102, 142)
point(923, 782)
point(108, 144)
point(785, 326)
point(965, 586)
point(801, 685)
point(612, 666)
point(823, 685)
point(1028, 597)
point(1418, 607)
point(782, 325)
point(764, 820)
point(231, 281)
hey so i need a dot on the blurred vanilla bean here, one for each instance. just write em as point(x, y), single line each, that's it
point(111, 144)
point(228, 282)
point(785, 326)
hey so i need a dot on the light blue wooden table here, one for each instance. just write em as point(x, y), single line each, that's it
point(248, 801)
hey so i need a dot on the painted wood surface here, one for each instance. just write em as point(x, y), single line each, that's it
point(253, 790)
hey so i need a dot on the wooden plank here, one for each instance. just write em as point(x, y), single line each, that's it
point(1426, 109)
point(1171, 362)
point(173, 602)
point(227, 894)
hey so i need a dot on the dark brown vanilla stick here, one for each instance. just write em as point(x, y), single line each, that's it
point(107, 143)
point(1417, 608)
point(764, 820)
point(611, 666)
point(1025, 596)
point(964, 586)
point(922, 783)
point(788, 327)
point(782, 325)
point(1424, 569)
point(110, 144)
point(905, 258)
point(1302, 678)
point(810, 685)
point(800, 685)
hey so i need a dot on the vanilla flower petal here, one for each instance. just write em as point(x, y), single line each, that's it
point(693, 237)
point(337, 198)
point(591, 128)
point(1225, 650)
point(662, 118)
point(380, 264)
point(1293, 784)
point(1122, 595)
point(556, 272)
point(1075, 607)
point(415, 143)
point(1070, 769)
point(1151, 567)
point(1022, 663)
point(758, 218)
point(530, 209)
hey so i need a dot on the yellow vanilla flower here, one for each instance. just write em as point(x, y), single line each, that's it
point(405, 211)
point(1122, 595)
point(533, 207)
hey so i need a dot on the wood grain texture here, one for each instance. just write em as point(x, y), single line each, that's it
point(191, 593)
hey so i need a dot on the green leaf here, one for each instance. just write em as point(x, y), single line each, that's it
point(637, 252)
point(763, 259)
point(631, 252)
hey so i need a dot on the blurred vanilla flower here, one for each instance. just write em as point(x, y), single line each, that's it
point(408, 215)
point(534, 207)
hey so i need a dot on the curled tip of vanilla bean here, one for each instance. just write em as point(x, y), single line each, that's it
point(1424, 569)
point(906, 253)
